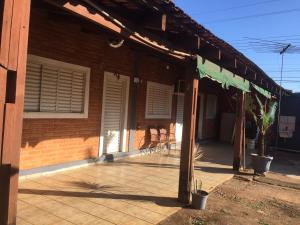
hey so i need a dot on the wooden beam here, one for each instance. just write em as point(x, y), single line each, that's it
point(239, 130)
point(188, 135)
point(3, 75)
point(87, 13)
point(164, 22)
point(5, 34)
point(12, 110)
point(191, 43)
point(224, 60)
point(4, 193)
point(198, 42)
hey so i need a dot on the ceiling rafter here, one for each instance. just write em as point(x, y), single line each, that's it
point(182, 33)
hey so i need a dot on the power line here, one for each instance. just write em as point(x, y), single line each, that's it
point(289, 81)
point(266, 37)
point(285, 71)
point(276, 64)
point(274, 40)
point(268, 46)
point(288, 78)
point(252, 16)
point(235, 7)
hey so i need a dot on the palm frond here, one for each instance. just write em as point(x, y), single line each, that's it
point(250, 107)
point(265, 119)
point(260, 106)
point(270, 115)
point(272, 112)
point(252, 113)
point(197, 153)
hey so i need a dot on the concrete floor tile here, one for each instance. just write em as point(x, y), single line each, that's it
point(133, 191)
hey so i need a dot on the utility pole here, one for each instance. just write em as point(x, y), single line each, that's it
point(280, 91)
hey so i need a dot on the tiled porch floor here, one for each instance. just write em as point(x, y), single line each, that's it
point(139, 190)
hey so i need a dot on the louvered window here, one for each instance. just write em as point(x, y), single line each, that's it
point(55, 89)
point(159, 101)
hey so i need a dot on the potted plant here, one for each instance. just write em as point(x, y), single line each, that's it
point(264, 118)
point(251, 132)
point(199, 197)
point(251, 128)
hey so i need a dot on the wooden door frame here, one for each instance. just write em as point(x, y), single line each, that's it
point(123, 139)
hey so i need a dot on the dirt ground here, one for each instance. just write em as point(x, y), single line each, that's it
point(245, 202)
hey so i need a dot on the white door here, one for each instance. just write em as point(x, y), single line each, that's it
point(114, 113)
point(179, 118)
point(200, 120)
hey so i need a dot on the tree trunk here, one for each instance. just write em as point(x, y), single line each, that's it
point(261, 145)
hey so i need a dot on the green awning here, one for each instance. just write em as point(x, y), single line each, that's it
point(262, 91)
point(224, 77)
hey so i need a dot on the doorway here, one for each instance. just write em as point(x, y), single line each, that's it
point(114, 113)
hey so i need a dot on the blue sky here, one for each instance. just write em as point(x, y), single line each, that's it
point(280, 25)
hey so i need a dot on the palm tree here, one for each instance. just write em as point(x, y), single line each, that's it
point(264, 118)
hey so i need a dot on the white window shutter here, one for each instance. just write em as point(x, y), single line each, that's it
point(32, 88)
point(78, 89)
point(56, 89)
point(159, 100)
point(49, 89)
point(64, 91)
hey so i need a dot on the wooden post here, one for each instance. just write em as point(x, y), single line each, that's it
point(13, 59)
point(239, 131)
point(244, 136)
point(4, 190)
point(188, 135)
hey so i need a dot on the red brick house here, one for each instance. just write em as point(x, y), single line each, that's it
point(53, 131)
point(96, 75)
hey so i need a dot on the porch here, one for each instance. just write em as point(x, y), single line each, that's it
point(112, 68)
point(139, 190)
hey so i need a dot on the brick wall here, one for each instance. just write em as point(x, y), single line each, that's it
point(53, 141)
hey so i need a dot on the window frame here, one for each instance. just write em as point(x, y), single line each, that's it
point(171, 89)
point(60, 115)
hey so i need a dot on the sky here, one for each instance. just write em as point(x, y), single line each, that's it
point(256, 28)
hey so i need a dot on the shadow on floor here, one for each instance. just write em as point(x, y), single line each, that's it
point(219, 170)
point(146, 164)
point(216, 153)
point(162, 201)
point(287, 163)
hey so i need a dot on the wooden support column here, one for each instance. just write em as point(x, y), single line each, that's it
point(188, 135)
point(239, 130)
point(13, 58)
